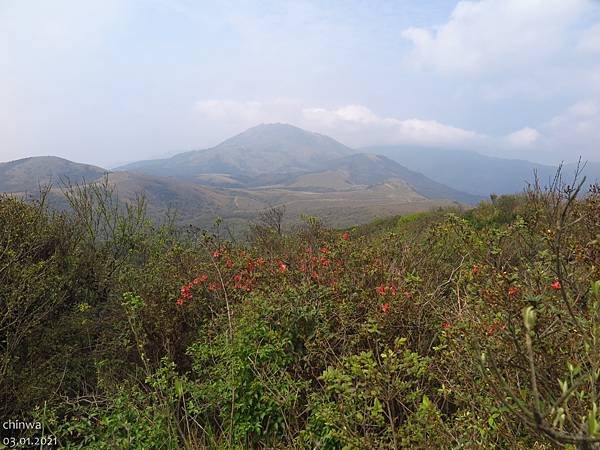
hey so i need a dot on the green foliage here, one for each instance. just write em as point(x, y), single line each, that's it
point(369, 400)
point(448, 329)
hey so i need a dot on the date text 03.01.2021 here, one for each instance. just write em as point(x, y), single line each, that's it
point(29, 442)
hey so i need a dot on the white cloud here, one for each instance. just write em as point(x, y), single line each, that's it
point(524, 137)
point(363, 127)
point(489, 36)
point(570, 134)
point(576, 130)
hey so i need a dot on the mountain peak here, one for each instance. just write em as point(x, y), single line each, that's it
point(274, 134)
point(263, 149)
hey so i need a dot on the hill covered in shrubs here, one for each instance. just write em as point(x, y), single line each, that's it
point(449, 329)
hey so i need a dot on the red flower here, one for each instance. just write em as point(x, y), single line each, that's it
point(260, 261)
point(216, 254)
point(185, 291)
point(475, 270)
point(345, 235)
point(324, 250)
point(282, 266)
point(212, 287)
point(381, 289)
point(556, 285)
point(200, 279)
point(324, 262)
point(512, 291)
point(393, 290)
point(385, 307)
point(251, 265)
point(446, 325)
point(179, 301)
point(229, 263)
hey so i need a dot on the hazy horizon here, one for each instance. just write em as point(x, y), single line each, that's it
point(110, 82)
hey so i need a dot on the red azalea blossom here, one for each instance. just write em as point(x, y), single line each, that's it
point(179, 301)
point(556, 285)
point(345, 235)
point(251, 265)
point(212, 287)
point(324, 250)
point(475, 270)
point(200, 279)
point(393, 290)
point(282, 266)
point(229, 263)
point(385, 307)
point(216, 254)
point(185, 291)
point(238, 281)
point(381, 289)
point(324, 262)
point(512, 291)
point(446, 325)
point(260, 261)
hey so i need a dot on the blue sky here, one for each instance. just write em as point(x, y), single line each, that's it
point(111, 81)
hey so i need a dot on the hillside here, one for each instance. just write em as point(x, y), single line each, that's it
point(29, 174)
point(363, 169)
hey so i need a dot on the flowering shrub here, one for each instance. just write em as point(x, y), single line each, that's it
point(449, 329)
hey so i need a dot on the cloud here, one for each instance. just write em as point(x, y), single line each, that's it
point(361, 126)
point(575, 130)
point(489, 36)
point(572, 133)
point(524, 137)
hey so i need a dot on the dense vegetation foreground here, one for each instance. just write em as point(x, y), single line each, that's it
point(445, 330)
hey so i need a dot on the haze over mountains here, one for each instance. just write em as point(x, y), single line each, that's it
point(476, 173)
point(279, 164)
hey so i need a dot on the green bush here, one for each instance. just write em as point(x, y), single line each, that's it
point(450, 329)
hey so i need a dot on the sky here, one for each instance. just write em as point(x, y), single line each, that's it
point(112, 81)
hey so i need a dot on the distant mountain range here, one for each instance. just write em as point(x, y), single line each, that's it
point(475, 173)
point(279, 164)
